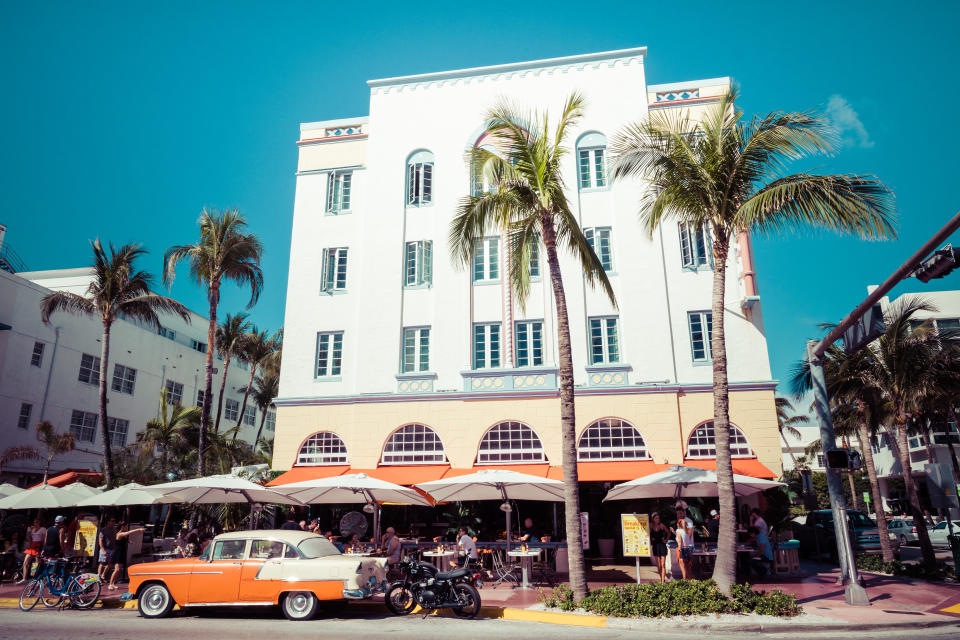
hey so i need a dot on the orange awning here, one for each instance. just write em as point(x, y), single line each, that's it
point(743, 466)
point(406, 475)
point(299, 474)
point(540, 470)
point(69, 477)
point(610, 471)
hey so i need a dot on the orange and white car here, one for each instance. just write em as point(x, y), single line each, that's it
point(294, 569)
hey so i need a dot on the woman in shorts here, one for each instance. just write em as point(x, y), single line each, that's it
point(36, 534)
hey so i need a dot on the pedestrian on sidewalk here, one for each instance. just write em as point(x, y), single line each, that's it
point(685, 547)
point(118, 559)
point(53, 545)
point(35, 536)
point(108, 541)
point(658, 542)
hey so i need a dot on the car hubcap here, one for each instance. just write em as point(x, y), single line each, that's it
point(298, 604)
point(154, 599)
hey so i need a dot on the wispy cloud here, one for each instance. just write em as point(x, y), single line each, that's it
point(846, 121)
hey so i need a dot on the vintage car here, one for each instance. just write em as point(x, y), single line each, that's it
point(294, 569)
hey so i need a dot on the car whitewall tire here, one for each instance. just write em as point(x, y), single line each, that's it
point(299, 605)
point(155, 601)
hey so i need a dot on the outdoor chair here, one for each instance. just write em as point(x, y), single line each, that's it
point(542, 570)
point(504, 570)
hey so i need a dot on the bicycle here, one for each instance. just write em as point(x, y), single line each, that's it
point(56, 580)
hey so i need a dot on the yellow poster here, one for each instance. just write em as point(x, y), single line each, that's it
point(635, 528)
point(86, 537)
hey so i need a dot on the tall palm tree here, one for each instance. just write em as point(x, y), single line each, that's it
point(224, 251)
point(54, 443)
point(259, 349)
point(527, 203)
point(230, 335)
point(165, 432)
point(266, 389)
point(117, 290)
point(787, 421)
point(726, 173)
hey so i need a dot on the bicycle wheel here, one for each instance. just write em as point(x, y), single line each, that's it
point(47, 595)
point(84, 596)
point(31, 595)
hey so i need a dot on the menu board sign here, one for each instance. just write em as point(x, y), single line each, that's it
point(635, 528)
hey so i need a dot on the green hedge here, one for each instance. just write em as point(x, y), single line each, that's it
point(676, 598)
point(874, 562)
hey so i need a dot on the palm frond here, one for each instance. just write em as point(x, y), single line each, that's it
point(65, 302)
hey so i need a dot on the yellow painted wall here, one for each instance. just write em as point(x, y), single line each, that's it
point(330, 155)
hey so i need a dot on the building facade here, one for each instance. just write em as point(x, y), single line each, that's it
point(405, 365)
point(51, 372)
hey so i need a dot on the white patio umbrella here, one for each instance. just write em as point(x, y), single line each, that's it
point(81, 491)
point(495, 484)
point(353, 488)
point(7, 489)
point(217, 489)
point(43, 497)
point(685, 482)
point(126, 495)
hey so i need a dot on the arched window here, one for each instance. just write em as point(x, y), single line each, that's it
point(703, 444)
point(510, 442)
point(420, 179)
point(414, 444)
point(322, 448)
point(592, 161)
point(611, 439)
point(480, 181)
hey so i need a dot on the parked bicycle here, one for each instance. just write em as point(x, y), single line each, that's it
point(57, 580)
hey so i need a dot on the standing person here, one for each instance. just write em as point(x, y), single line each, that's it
point(713, 525)
point(68, 536)
point(658, 544)
point(756, 520)
point(466, 547)
point(35, 535)
point(118, 558)
point(53, 545)
point(390, 544)
point(108, 541)
point(685, 548)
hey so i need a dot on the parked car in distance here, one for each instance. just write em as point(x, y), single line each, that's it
point(293, 569)
point(819, 530)
point(902, 529)
point(940, 531)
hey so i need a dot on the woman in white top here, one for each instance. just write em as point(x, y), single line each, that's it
point(466, 547)
point(35, 537)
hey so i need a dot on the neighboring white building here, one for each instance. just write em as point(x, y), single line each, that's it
point(51, 373)
point(393, 355)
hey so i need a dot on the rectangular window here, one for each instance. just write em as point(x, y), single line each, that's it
point(486, 260)
point(695, 246)
point(124, 379)
point(36, 358)
point(535, 259)
point(416, 349)
point(338, 192)
point(174, 392)
point(418, 263)
point(231, 410)
point(83, 425)
point(701, 334)
point(200, 393)
point(250, 416)
point(334, 276)
point(599, 239)
point(167, 333)
point(419, 183)
point(604, 340)
point(329, 354)
point(271, 422)
point(196, 345)
point(820, 461)
point(486, 345)
point(592, 168)
point(23, 421)
point(89, 369)
point(117, 428)
point(529, 338)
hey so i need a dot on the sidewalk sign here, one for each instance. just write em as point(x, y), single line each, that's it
point(635, 529)
point(86, 539)
point(584, 530)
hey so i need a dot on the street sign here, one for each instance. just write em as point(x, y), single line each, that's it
point(866, 497)
point(865, 330)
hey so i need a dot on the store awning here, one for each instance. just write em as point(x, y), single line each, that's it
point(69, 477)
point(541, 470)
point(743, 466)
point(406, 475)
point(299, 474)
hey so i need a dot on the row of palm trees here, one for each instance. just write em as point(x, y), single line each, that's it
point(903, 384)
point(721, 171)
point(225, 251)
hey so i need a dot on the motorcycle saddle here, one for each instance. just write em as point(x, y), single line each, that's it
point(452, 575)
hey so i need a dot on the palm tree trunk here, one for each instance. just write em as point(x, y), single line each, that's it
point(104, 430)
point(246, 394)
point(263, 418)
point(885, 547)
point(929, 559)
point(725, 570)
point(571, 484)
point(213, 296)
point(223, 386)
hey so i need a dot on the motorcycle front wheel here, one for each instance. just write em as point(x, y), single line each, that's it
point(470, 597)
point(399, 599)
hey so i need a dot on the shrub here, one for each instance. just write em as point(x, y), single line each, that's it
point(874, 562)
point(561, 598)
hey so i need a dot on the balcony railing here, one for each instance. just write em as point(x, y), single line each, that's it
point(10, 261)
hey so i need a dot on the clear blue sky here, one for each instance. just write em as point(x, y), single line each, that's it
point(123, 119)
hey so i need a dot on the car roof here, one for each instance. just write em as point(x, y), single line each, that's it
point(282, 535)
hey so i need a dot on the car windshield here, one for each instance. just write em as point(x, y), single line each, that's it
point(859, 519)
point(317, 548)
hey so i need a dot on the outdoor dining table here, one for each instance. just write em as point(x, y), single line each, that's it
point(526, 558)
point(439, 557)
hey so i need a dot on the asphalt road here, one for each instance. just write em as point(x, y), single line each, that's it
point(270, 624)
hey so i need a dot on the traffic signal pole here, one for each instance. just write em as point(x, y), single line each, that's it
point(854, 593)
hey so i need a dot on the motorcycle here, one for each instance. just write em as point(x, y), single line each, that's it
point(424, 586)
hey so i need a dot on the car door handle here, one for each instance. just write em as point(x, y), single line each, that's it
point(237, 563)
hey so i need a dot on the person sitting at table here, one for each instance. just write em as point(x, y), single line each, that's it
point(466, 547)
point(756, 520)
point(390, 544)
point(353, 542)
point(713, 525)
point(529, 533)
point(291, 523)
point(762, 559)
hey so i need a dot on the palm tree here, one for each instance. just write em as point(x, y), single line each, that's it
point(266, 389)
point(259, 349)
point(787, 422)
point(165, 432)
point(527, 203)
point(224, 251)
point(117, 290)
point(55, 444)
point(229, 345)
point(724, 173)
point(11, 454)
